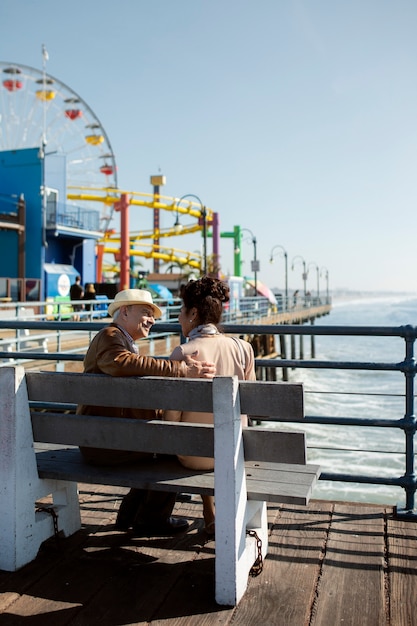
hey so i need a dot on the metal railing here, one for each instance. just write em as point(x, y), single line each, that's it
point(407, 423)
point(61, 214)
point(406, 368)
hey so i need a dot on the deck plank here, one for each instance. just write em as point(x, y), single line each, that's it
point(356, 540)
point(329, 563)
point(402, 568)
point(285, 591)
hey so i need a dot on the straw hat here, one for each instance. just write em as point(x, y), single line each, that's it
point(134, 296)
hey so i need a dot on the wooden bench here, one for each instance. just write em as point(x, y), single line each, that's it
point(253, 465)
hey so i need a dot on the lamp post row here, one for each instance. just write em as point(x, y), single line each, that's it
point(255, 266)
point(296, 259)
point(160, 180)
point(255, 262)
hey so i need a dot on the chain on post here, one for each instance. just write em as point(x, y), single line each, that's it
point(54, 515)
point(258, 566)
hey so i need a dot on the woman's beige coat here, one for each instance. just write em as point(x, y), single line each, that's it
point(231, 357)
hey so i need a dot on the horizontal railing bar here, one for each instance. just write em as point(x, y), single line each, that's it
point(273, 363)
point(363, 479)
point(355, 393)
point(362, 450)
point(407, 331)
point(43, 356)
point(347, 421)
point(261, 329)
point(351, 365)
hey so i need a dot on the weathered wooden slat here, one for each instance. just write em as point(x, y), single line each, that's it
point(162, 437)
point(257, 398)
point(283, 446)
point(132, 392)
point(289, 485)
point(166, 474)
point(401, 561)
point(272, 399)
point(280, 472)
point(286, 490)
point(135, 435)
point(293, 569)
point(359, 535)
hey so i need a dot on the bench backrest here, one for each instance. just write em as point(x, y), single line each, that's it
point(257, 398)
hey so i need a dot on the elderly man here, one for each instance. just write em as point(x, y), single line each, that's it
point(113, 352)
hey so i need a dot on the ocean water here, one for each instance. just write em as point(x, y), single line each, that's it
point(350, 393)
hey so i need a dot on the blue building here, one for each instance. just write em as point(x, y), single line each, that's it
point(45, 241)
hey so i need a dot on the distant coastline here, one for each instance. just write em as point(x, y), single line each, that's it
point(346, 295)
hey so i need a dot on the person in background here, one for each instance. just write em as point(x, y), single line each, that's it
point(200, 316)
point(76, 293)
point(295, 298)
point(90, 294)
point(113, 351)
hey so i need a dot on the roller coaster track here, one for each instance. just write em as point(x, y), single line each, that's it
point(181, 206)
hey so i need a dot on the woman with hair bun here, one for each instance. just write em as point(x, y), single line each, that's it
point(200, 317)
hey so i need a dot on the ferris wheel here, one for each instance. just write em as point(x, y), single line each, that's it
point(38, 110)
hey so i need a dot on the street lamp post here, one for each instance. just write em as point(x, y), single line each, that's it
point(203, 218)
point(255, 262)
point(304, 271)
point(318, 279)
point(324, 269)
point(285, 255)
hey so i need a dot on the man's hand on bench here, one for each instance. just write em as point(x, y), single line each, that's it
point(198, 369)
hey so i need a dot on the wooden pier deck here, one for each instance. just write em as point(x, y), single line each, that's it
point(329, 563)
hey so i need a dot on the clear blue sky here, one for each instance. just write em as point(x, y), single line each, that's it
point(296, 119)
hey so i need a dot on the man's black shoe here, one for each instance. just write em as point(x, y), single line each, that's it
point(171, 526)
point(122, 525)
point(128, 509)
point(184, 497)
